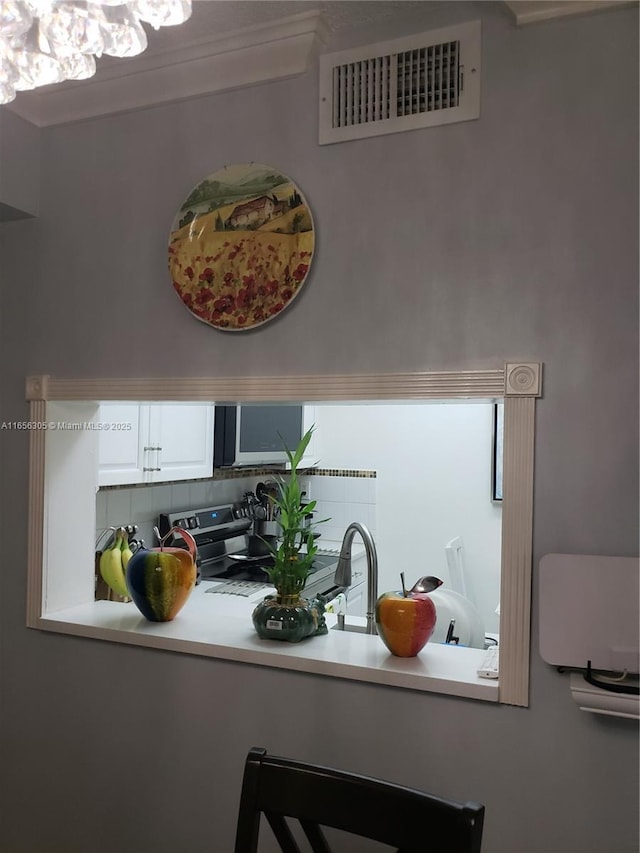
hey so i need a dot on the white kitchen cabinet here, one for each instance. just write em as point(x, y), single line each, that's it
point(154, 443)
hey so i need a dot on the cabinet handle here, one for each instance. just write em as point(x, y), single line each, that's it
point(157, 449)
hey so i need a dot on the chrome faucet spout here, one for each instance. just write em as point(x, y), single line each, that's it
point(343, 570)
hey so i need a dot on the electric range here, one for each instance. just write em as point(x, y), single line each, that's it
point(221, 534)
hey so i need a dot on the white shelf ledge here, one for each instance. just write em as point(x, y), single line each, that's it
point(219, 626)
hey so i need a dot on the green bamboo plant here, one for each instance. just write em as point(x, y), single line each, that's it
point(291, 563)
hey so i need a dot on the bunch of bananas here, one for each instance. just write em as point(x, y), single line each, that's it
point(113, 562)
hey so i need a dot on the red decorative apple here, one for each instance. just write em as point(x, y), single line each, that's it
point(405, 621)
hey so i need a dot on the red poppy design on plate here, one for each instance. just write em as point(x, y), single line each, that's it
point(241, 247)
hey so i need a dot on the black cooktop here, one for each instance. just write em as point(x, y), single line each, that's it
point(236, 569)
point(251, 569)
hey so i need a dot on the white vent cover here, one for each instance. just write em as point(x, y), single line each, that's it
point(422, 80)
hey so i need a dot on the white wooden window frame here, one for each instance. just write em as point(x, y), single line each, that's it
point(517, 383)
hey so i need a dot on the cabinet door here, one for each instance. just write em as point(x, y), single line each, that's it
point(121, 447)
point(356, 596)
point(183, 432)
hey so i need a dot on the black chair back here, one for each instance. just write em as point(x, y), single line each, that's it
point(412, 821)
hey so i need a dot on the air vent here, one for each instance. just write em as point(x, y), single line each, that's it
point(423, 80)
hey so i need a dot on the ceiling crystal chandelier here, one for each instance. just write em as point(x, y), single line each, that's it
point(48, 41)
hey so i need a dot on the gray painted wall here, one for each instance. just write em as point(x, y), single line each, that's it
point(511, 237)
point(19, 176)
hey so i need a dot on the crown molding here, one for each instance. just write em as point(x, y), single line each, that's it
point(257, 54)
point(229, 60)
point(533, 11)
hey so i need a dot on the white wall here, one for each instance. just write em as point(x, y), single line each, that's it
point(433, 465)
point(458, 247)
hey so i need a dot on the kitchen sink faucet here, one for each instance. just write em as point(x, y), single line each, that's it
point(343, 570)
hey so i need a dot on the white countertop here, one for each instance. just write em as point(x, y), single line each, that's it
point(220, 626)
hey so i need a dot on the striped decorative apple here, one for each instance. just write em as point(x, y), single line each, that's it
point(160, 580)
point(405, 621)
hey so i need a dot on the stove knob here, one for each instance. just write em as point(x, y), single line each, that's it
point(192, 522)
point(181, 522)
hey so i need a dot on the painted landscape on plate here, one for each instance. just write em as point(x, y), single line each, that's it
point(241, 246)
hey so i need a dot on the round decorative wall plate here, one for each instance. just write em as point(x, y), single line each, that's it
point(241, 246)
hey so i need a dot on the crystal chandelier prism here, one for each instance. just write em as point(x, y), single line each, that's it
point(48, 41)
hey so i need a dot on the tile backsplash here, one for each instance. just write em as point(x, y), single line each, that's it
point(342, 496)
point(142, 505)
